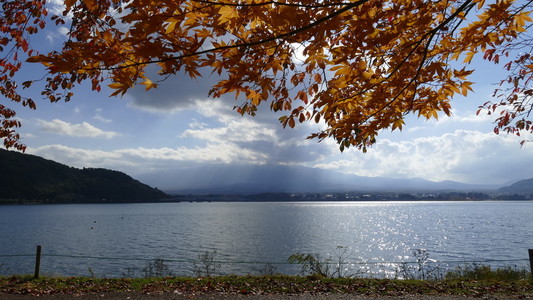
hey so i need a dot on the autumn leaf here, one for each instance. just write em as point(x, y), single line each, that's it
point(149, 84)
point(227, 13)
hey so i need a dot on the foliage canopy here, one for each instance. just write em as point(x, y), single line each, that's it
point(359, 66)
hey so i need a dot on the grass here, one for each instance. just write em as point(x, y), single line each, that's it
point(470, 280)
point(277, 284)
point(486, 273)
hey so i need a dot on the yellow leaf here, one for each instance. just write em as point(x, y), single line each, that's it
point(171, 25)
point(343, 70)
point(148, 84)
point(465, 87)
point(398, 124)
point(115, 85)
point(226, 14)
point(254, 96)
point(522, 18)
point(119, 87)
point(190, 21)
point(469, 57)
point(456, 55)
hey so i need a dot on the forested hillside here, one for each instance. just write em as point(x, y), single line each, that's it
point(27, 179)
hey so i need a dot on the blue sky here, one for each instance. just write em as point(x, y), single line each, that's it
point(177, 127)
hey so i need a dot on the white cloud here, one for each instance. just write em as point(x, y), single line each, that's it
point(101, 119)
point(260, 134)
point(55, 7)
point(197, 124)
point(83, 129)
point(57, 35)
point(463, 155)
point(212, 152)
point(81, 158)
point(235, 130)
point(63, 30)
point(140, 160)
point(466, 117)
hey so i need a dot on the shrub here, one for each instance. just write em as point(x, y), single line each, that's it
point(313, 265)
point(207, 266)
point(157, 268)
point(425, 268)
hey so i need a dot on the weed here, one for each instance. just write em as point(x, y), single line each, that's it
point(425, 269)
point(207, 266)
point(129, 273)
point(91, 272)
point(267, 270)
point(157, 268)
point(312, 264)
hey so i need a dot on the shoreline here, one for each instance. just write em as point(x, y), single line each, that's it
point(204, 200)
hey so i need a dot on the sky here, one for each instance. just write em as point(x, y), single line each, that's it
point(177, 127)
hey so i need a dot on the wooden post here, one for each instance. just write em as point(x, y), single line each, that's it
point(37, 262)
point(530, 251)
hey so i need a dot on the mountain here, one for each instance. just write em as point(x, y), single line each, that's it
point(29, 178)
point(252, 179)
point(521, 187)
point(35, 179)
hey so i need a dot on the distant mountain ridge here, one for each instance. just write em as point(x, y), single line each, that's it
point(29, 178)
point(249, 179)
point(521, 187)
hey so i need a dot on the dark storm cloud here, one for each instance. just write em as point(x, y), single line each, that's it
point(176, 92)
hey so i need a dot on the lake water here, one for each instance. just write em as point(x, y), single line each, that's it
point(114, 240)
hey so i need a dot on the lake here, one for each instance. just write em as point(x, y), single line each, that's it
point(114, 240)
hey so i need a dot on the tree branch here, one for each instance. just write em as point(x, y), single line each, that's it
point(246, 44)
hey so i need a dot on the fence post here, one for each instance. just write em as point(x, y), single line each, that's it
point(530, 251)
point(37, 262)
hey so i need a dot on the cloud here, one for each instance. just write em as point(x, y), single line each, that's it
point(55, 7)
point(100, 118)
point(197, 124)
point(463, 155)
point(83, 129)
point(466, 117)
point(177, 92)
point(58, 35)
point(259, 134)
point(213, 153)
point(236, 130)
point(216, 135)
point(80, 158)
point(134, 161)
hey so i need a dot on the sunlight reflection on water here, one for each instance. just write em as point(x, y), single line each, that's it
point(385, 232)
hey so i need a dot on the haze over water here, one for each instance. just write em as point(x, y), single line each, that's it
point(106, 240)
